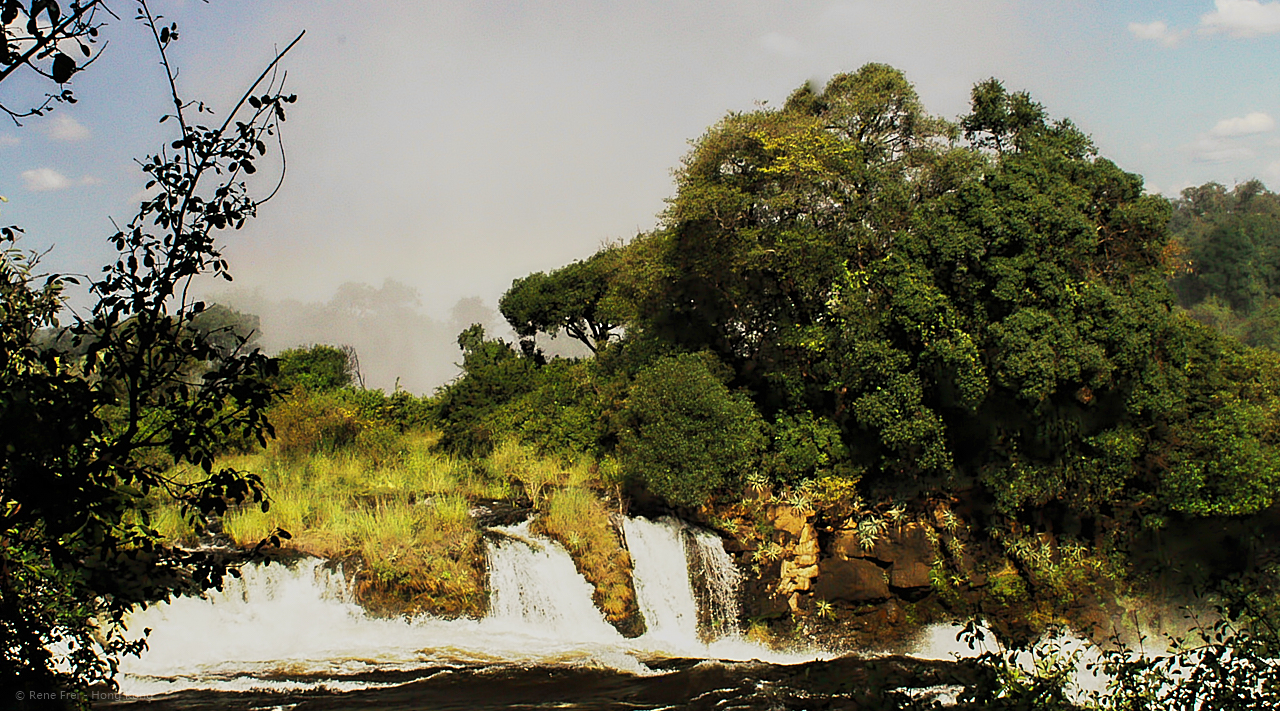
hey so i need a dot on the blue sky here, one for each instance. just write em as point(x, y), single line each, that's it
point(456, 145)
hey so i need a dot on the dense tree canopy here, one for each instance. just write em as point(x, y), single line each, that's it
point(1229, 245)
point(576, 299)
point(938, 306)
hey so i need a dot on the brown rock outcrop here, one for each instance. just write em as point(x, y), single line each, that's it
point(855, 580)
point(906, 549)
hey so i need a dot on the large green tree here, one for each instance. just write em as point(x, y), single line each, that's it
point(90, 421)
point(984, 302)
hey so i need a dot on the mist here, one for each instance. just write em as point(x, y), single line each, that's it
point(398, 343)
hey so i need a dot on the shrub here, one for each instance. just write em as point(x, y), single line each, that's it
point(317, 368)
point(686, 437)
point(305, 424)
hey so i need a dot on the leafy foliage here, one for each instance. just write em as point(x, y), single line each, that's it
point(928, 305)
point(686, 436)
point(42, 45)
point(576, 299)
point(320, 368)
point(92, 419)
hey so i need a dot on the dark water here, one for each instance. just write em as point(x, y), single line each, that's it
point(843, 683)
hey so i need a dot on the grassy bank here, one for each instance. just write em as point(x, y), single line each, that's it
point(403, 520)
point(400, 517)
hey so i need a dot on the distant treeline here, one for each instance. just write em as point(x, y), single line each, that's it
point(1230, 241)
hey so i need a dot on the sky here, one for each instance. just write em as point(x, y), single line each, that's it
point(452, 146)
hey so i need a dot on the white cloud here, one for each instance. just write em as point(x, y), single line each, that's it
point(6, 140)
point(1211, 149)
point(90, 180)
point(1243, 18)
point(65, 128)
point(781, 45)
point(1158, 32)
point(1256, 122)
point(45, 179)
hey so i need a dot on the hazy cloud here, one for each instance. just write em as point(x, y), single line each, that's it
point(398, 345)
point(1157, 31)
point(45, 179)
point(6, 140)
point(65, 128)
point(1256, 122)
point(781, 45)
point(1242, 18)
point(1273, 173)
point(1212, 149)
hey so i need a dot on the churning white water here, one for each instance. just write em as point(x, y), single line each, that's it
point(282, 627)
point(533, 583)
point(661, 579)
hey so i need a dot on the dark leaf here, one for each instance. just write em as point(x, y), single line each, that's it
point(63, 68)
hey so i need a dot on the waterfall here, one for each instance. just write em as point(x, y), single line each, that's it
point(660, 575)
point(682, 577)
point(283, 627)
point(274, 620)
point(533, 583)
point(716, 580)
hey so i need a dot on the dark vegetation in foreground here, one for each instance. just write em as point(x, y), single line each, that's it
point(855, 319)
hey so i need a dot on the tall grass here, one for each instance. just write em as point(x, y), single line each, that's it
point(399, 511)
point(538, 475)
point(403, 520)
point(422, 557)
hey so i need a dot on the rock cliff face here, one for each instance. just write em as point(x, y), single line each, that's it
point(801, 568)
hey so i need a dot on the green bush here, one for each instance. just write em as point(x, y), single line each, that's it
point(317, 368)
point(305, 424)
point(806, 447)
point(493, 375)
point(686, 437)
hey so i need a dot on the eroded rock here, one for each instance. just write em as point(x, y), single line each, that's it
point(855, 580)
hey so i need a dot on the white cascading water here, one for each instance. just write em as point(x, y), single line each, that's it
point(660, 575)
point(284, 627)
point(718, 580)
point(533, 583)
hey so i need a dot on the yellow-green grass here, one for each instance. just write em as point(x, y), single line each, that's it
point(404, 522)
point(421, 557)
point(539, 475)
point(579, 520)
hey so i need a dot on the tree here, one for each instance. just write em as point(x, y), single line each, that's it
point(319, 368)
point(576, 299)
point(39, 45)
point(983, 303)
point(91, 422)
point(685, 436)
point(493, 374)
point(771, 207)
point(1231, 239)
